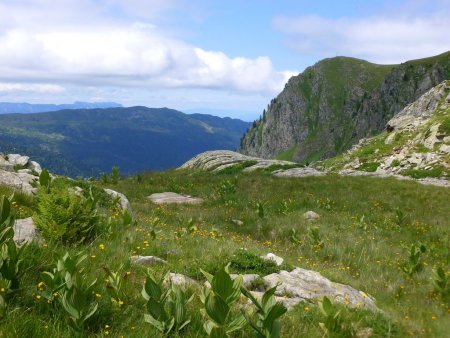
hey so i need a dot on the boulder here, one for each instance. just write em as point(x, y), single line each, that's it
point(248, 279)
point(307, 285)
point(180, 280)
point(272, 257)
point(124, 204)
point(173, 198)
point(311, 216)
point(17, 159)
point(35, 166)
point(18, 181)
point(24, 230)
point(147, 260)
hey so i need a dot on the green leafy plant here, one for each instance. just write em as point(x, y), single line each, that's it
point(226, 188)
point(45, 180)
point(114, 282)
point(66, 217)
point(267, 312)
point(414, 262)
point(260, 209)
point(104, 178)
point(400, 217)
point(68, 284)
point(315, 237)
point(332, 321)
point(441, 283)
point(218, 302)
point(293, 237)
point(115, 174)
point(10, 254)
point(166, 307)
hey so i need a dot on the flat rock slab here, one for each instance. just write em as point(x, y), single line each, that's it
point(307, 285)
point(299, 172)
point(24, 230)
point(173, 198)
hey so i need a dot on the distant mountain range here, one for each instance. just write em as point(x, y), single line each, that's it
point(86, 142)
point(29, 108)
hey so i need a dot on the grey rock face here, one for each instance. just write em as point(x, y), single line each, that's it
point(173, 198)
point(18, 181)
point(24, 230)
point(331, 105)
point(218, 160)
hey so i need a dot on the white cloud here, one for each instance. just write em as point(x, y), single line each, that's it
point(133, 55)
point(382, 39)
point(43, 42)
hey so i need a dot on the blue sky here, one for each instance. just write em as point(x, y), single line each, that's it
point(231, 57)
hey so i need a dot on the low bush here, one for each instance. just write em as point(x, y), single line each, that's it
point(63, 216)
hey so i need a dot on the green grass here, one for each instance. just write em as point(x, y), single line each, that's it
point(289, 154)
point(367, 257)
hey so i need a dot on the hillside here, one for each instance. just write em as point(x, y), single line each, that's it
point(376, 248)
point(85, 142)
point(416, 142)
point(333, 104)
point(29, 108)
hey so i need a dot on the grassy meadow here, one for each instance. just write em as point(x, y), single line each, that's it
point(364, 239)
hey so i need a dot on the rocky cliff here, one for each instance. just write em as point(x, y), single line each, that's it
point(416, 142)
point(333, 104)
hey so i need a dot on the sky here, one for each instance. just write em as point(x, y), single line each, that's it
point(224, 56)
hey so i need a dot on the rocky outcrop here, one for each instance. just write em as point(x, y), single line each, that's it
point(333, 104)
point(218, 160)
point(417, 143)
point(301, 285)
point(18, 172)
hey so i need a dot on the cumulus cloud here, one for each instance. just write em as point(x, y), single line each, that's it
point(382, 39)
point(118, 52)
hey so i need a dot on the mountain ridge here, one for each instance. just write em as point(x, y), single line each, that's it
point(328, 107)
point(85, 142)
point(33, 108)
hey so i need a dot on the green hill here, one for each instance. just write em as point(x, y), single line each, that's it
point(88, 141)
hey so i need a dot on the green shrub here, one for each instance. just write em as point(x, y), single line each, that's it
point(115, 175)
point(444, 127)
point(63, 216)
point(369, 166)
point(244, 261)
point(422, 173)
